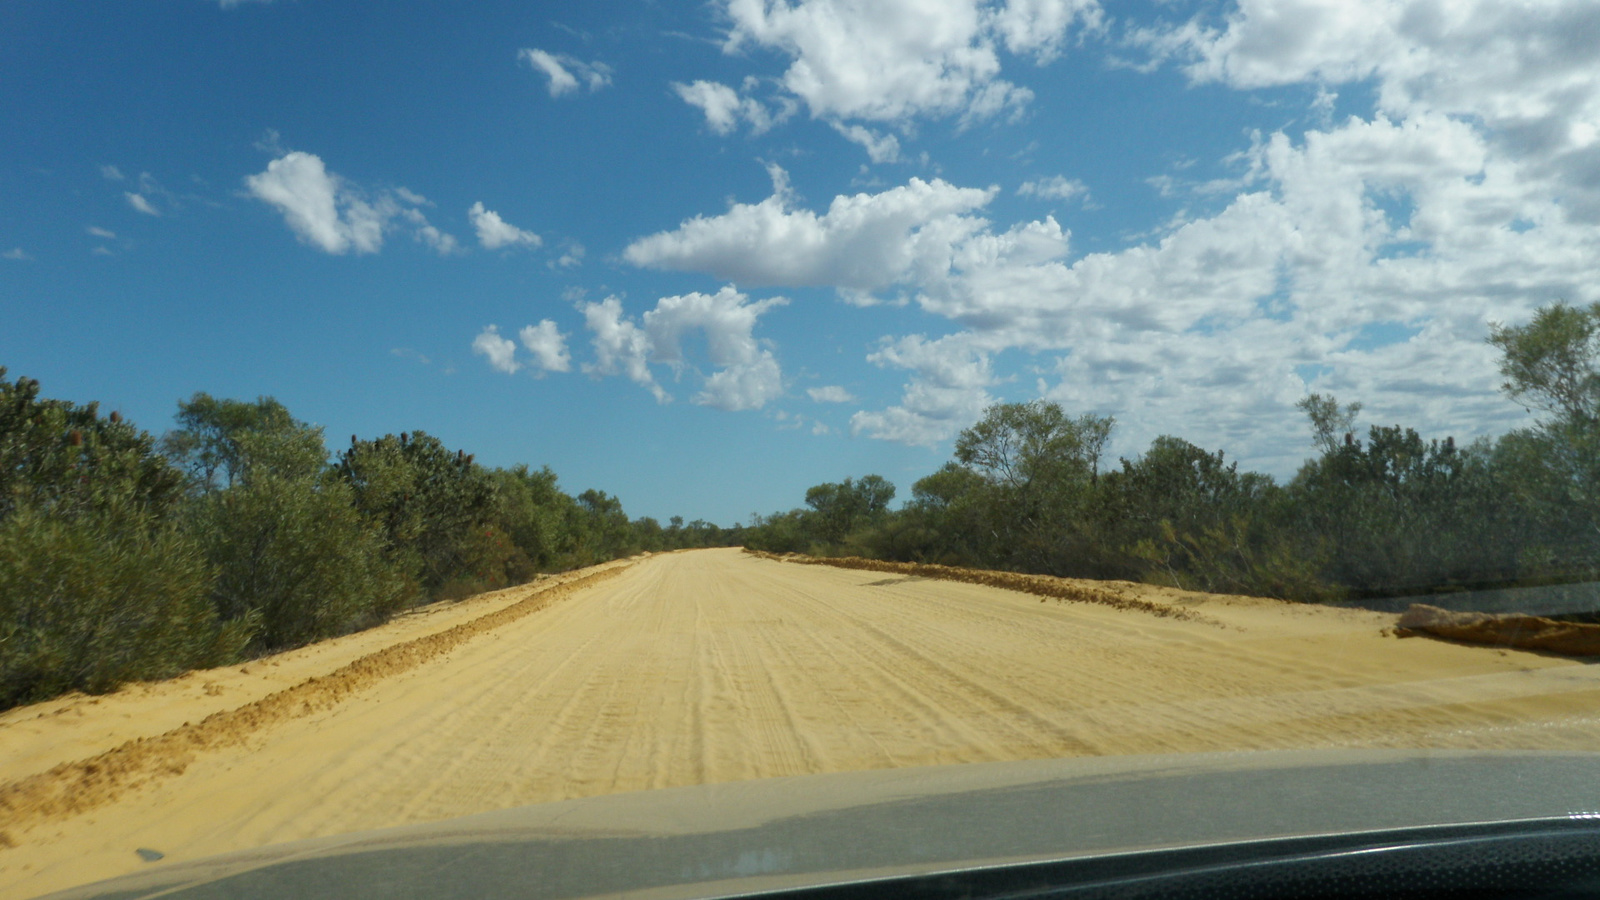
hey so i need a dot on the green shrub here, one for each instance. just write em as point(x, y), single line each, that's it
point(1236, 556)
point(296, 557)
point(66, 458)
point(489, 562)
point(426, 500)
point(90, 602)
point(531, 510)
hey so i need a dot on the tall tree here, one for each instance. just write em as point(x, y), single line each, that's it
point(296, 562)
point(1041, 468)
point(607, 533)
point(532, 510)
point(838, 508)
point(1329, 420)
point(223, 442)
point(1553, 362)
point(431, 502)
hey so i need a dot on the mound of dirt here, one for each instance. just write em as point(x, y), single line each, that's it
point(1044, 586)
point(1523, 632)
point(75, 787)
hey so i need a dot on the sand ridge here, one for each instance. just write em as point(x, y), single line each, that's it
point(714, 666)
point(1116, 594)
point(1526, 632)
point(74, 787)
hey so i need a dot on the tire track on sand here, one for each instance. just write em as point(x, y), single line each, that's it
point(75, 787)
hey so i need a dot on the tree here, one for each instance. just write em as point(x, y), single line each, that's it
point(1401, 514)
point(429, 501)
point(296, 561)
point(97, 583)
point(1547, 520)
point(1041, 470)
point(1021, 444)
point(1553, 362)
point(648, 534)
point(841, 507)
point(221, 443)
point(1185, 516)
point(532, 510)
point(90, 601)
point(67, 459)
point(782, 532)
point(604, 526)
point(1180, 483)
point(1329, 420)
point(944, 519)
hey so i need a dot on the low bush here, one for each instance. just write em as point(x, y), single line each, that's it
point(297, 560)
point(92, 601)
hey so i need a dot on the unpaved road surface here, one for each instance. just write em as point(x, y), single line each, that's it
point(711, 666)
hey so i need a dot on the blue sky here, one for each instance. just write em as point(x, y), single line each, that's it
point(705, 255)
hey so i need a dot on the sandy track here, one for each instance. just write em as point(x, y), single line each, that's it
point(714, 666)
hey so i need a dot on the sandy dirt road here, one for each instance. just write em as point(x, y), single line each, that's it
point(712, 666)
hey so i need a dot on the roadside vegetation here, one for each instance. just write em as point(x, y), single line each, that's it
point(124, 556)
point(1377, 514)
point(127, 556)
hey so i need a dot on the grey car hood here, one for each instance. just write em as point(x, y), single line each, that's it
point(724, 839)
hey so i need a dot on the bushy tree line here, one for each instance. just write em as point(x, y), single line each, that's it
point(124, 556)
point(1386, 513)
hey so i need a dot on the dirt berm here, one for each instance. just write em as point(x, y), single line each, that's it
point(1524, 632)
point(1116, 594)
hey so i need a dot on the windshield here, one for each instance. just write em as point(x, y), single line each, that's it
point(413, 410)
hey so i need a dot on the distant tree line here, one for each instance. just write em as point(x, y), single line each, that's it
point(1387, 513)
point(125, 556)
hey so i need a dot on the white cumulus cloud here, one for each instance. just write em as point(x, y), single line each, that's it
point(725, 108)
point(501, 352)
point(548, 346)
point(571, 256)
point(495, 232)
point(863, 243)
point(745, 373)
point(1364, 258)
point(1039, 27)
point(1525, 70)
point(881, 147)
point(441, 243)
point(893, 61)
point(620, 346)
point(567, 74)
point(336, 216)
point(947, 392)
point(316, 206)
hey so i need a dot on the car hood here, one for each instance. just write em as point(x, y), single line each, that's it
point(722, 839)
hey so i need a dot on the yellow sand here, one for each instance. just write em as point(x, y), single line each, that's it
point(711, 666)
